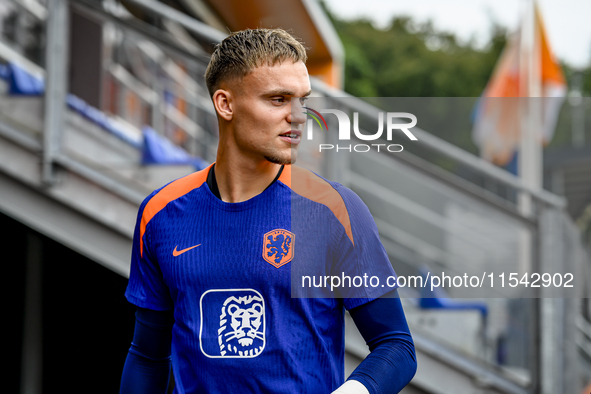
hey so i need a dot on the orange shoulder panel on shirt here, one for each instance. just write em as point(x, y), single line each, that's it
point(169, 193)
point(311, 186)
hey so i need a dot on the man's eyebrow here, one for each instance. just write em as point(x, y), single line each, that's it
point(284, 92)
point(279, 92)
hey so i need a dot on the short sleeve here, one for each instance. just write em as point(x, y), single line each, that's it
point(359, 257)
point(146, 287)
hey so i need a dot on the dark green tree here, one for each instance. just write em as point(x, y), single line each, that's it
point(414, 60)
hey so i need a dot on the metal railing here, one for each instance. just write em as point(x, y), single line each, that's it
point(151, 78)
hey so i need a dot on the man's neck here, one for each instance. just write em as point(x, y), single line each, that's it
point(241, 183)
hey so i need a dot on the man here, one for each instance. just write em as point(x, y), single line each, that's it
point(216, 253)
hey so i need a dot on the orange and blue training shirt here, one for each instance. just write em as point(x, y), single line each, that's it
point(247, 281)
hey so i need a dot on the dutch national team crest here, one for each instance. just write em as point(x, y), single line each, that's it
point(278, 247)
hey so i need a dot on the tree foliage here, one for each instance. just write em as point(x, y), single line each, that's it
point(414, 60)
point(409, 59)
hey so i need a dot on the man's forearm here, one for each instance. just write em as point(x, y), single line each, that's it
point(142, 375)
point(392, 362)
point(389, 367)
point(147, 367)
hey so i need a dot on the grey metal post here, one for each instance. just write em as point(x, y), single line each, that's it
point(330, 160)
point(552, 314)
point(158, 107)
point(56, 60)
point(32, 351)
point(21, 30)
point(574, 262)
point(336, 162)
point(575, 100)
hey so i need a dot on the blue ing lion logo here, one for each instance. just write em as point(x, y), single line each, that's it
point(278, 246)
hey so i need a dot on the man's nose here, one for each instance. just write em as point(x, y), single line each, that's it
point(297, 112)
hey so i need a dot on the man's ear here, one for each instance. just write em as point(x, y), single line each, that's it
point(222, 101)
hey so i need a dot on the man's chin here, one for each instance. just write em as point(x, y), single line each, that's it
point(281, 160)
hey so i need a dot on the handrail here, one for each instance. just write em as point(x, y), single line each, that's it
point(201, 29)
point(447, 149)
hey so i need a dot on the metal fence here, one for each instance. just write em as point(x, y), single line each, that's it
point(433, 217)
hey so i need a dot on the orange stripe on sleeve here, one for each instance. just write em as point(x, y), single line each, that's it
point(310, 186)
point(169, 193)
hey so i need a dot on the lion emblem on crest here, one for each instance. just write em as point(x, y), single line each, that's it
point(278, 247)
point(242, 330)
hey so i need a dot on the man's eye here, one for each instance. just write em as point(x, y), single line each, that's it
point(278, 100)
point(303, 100)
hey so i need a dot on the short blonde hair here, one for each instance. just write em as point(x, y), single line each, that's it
point(245, 50)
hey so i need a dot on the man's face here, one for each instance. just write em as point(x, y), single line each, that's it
point(266, 123)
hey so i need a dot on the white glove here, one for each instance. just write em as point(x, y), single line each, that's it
point(351, 387)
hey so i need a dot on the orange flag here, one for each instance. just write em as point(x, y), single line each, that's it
point(497, 125)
